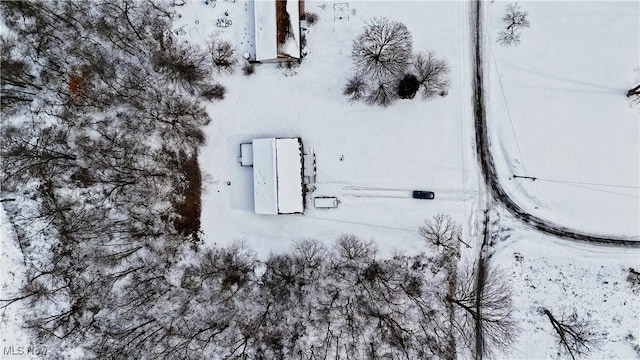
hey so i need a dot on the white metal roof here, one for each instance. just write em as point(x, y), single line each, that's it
point(277, 176)
point(289, 173)
point(265, 187)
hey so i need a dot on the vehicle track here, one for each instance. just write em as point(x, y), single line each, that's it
point(486, 162)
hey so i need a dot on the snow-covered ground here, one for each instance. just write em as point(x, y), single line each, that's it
point(11, 276)
point(368, 157)
point(558, 112)
point(562, 276)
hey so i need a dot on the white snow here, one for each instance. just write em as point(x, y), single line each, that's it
point(289, 176)
point(558, 112)
point(265, 184)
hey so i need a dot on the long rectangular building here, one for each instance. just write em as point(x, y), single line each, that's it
point(277, 176)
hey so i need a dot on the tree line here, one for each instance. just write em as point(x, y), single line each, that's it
point(102, 118)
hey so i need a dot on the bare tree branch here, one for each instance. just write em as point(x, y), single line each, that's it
point(576, 336)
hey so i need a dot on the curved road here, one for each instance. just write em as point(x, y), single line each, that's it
point(486, 160)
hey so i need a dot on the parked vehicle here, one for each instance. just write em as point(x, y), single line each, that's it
point(325, 202)
point(419, 194)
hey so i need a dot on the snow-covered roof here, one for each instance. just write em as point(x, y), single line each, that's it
point(289, 171)
point(266, 31)
point(277, 176)
point(265, 186)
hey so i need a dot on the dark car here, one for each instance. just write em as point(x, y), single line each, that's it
point(418, 194)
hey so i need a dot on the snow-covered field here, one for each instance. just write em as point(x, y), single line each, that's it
point(558, 112)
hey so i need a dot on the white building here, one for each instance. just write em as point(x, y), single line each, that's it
point(277, 27)
point(277, 176)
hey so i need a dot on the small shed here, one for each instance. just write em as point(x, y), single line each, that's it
point(277, 29)
point(277, 176)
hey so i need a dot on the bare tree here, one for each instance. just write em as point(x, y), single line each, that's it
point(355, 88)
point(484, 317)
point(633, 94)
point(382, 93)
point(381, 57)
point(635, 91)
point(515, 20)
point(432, 74)
point(442, 232)
point(383, 51)
point(18, 85)
point(374, 308)
point(183, 63)
point(576, 335)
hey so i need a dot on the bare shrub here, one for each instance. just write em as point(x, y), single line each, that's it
point(432, 73)
point(223, 55)
point(311, 18)
point(634, 279)
point(289, 67)
point(248, 69)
